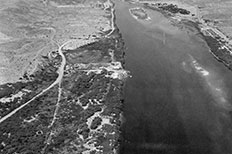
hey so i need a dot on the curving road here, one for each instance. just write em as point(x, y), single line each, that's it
point(57, 81)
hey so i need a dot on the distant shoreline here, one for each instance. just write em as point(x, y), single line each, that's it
point(219, 44)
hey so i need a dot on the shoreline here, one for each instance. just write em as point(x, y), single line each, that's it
point(222, 51)
point(75, 106)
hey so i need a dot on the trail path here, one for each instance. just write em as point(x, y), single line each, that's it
point(58, 80)
point(60, 71)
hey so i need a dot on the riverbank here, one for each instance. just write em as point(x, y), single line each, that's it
point(72, 103)
point(219, 44)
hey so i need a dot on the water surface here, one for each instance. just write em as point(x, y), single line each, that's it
point(178, 100)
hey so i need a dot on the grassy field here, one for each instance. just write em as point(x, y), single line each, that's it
point(31, 28)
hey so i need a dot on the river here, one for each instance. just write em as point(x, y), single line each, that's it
point(178, 99)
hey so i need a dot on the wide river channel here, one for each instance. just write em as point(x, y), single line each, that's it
point(178, 100)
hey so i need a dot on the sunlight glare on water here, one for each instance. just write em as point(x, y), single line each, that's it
point(213, 84)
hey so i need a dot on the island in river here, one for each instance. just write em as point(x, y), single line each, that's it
point(139, 13)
